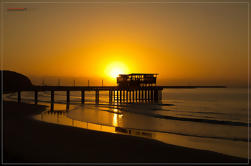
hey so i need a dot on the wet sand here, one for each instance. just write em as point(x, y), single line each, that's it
point(29, 141)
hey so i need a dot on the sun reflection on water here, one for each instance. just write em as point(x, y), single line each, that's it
point(116, 117)
point(115, 120)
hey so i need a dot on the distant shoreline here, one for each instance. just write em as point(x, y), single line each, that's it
point(188, 87)
point(27, 140)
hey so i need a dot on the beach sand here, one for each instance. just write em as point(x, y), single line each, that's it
point(30, 141)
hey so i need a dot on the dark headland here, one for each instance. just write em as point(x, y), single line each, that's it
point(13, 81)
point(29, 141)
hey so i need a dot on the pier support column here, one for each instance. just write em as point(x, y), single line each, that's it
point(120, 96)
point(117, 96)
point(160, 94)
point(82, 96)
point(19, 96)
point(68, 96)
point(145, 94)
point(133, 96)
point(52, 100)
point(123, 95)
point(148, 94)
point(110, 96)
point(97, 96)
point(156, 95)
point(127, 96)
point(152, 95)
point(142, 94)
point(130, 96)
point(67, 106)
point(114, 94)
point(139, 96)
point(136, 95)
point(35, 96)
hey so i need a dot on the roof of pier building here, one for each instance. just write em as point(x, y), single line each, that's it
point(136, 79)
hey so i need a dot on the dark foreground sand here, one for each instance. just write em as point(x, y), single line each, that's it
point(28, 140)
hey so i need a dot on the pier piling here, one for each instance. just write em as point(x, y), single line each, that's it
point(123, 95)
point(145, 95)
point(142, 94)
point(132, 95)
point(52, 100)
point(120, 96)
point(19, 96)
point(136, 95)
point(116, 93)
point(152, 94)
point(148, 93)
point(156, 95)
point(110, 96)
point(67, 106)
point(97, 96)
point(68, 96)
point(82, 96)
point(139, 95)
point(35, 96)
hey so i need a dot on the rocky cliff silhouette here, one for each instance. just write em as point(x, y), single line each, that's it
point(13, 81)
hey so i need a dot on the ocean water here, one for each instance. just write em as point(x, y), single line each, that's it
point(202, 118)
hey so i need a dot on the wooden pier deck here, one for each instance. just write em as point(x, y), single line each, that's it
point(88, 88)
point(107, 88)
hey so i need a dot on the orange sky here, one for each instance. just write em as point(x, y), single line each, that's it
point(184, 43)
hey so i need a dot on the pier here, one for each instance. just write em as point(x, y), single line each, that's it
point(132, 88)
point(116, 93)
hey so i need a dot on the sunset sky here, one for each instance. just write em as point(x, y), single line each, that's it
point(184, 43)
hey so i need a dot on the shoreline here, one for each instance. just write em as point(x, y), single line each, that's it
point(27, 140)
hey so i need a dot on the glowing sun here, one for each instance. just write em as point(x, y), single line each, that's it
point(115, 68)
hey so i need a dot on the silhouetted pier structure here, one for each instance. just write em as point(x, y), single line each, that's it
point(116, 93)
point(132, 88)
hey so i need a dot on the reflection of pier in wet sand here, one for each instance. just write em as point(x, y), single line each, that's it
point(59, 117)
